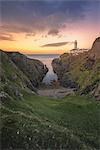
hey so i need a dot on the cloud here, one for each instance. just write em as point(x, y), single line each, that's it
point(15, 28)
point(36, 16)
point(55, 44)
point(53, 32)
point(6, 37)
point(29, 35)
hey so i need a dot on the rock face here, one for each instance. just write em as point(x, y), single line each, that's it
point(19, 73)
point(81, 71)
point(95, 50)
point(35, 70)
point(96, 91)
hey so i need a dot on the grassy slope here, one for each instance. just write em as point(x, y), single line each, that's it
point(35, 122)
point(43, 123)
point(78, 73)
point(83, 76)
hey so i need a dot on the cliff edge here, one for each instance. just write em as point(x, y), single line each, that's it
point(80, 71)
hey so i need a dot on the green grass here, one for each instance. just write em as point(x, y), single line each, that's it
point(79, 73)
point(43, 123)
point(32, 122)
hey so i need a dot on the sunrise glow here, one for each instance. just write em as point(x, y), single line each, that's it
point(28, 25)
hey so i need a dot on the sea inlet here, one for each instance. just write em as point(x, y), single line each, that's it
point(47, 60)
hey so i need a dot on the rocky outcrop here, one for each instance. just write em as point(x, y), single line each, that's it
point(94, 53)
point(57, 65)
point(35, 70)
point(61, 67)
point(19, 73)
point(80, 71)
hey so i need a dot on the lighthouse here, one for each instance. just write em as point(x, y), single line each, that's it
point(76, 50)
point(75, 44)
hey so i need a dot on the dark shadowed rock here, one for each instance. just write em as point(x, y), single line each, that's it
point(58, 67)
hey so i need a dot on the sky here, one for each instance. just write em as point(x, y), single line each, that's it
point(48, 26)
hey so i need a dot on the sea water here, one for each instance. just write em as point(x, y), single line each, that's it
point(47, 60)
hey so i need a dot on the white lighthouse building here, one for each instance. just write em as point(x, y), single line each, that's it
point(75, 44)
point(76, 50)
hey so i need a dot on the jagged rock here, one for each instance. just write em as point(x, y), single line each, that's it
point(58, 68)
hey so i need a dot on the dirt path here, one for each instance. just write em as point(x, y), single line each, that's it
point(56, 93)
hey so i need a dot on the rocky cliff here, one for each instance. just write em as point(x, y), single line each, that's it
point(34, 69)
point(81, 71)
point(95, 50)
point(19, 73)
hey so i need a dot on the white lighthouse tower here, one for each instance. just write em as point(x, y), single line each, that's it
point(75, 44)
point(76, 50)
